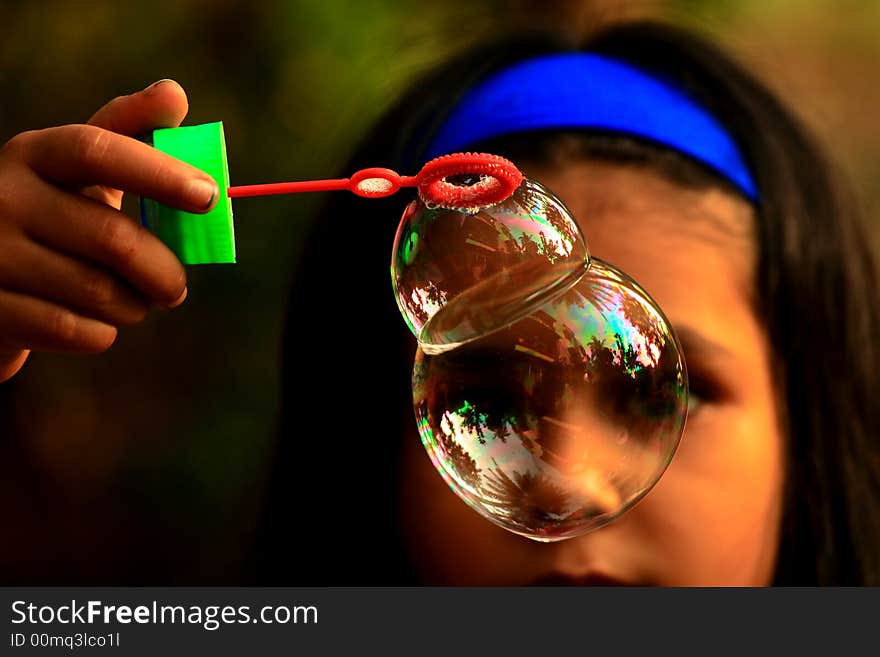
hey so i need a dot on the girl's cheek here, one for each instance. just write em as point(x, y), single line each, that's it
point(716, 511)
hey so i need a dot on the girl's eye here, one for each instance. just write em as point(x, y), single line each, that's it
point(695, 402)
point(702, 390)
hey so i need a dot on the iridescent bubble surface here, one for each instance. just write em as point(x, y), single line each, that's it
point(560, 422)
point(458, 275)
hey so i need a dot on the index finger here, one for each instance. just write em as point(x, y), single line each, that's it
point(83, 155)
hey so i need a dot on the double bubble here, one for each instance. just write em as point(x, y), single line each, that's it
point(549, 389)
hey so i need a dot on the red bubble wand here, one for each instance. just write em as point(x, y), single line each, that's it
point(463, 181)
point(458, 181)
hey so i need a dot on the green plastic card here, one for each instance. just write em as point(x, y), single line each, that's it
point(195, 238)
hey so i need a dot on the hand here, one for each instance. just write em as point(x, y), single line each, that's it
point(73, 268)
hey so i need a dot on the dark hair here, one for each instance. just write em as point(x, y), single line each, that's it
point(331, 517)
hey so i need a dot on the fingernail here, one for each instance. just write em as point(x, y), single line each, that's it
point(179, 300)
point(202, 193)
point(157, 84)
point(174, 304)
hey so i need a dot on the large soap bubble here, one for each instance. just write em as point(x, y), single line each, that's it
point(549, 389)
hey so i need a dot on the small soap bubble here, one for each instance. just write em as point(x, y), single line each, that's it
point(460, 273)
point(559, 423)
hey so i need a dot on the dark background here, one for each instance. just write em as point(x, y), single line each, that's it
point(148, 464)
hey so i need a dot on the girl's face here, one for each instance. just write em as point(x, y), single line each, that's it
point(714, 516)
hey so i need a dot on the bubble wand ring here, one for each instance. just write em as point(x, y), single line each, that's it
point(496, 180)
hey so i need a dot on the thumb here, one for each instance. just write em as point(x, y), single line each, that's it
point(161, 105)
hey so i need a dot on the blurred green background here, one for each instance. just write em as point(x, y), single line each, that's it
point(148, 464)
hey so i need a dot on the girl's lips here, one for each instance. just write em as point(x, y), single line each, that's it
point(588, 579)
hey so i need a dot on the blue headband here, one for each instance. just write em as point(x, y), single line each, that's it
point(580, 90)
